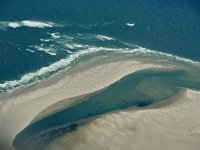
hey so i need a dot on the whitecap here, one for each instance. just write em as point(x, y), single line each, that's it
point(70, 52)
point(30, 50)
point(37, 24)
point(55, 35)
point(104, 38)
point(13, 25)
point(65, 63)
point(147, 52)
point(44, 71)
point(45, 40)
point(130, 24)
point(75, 46)
point(70, 46)
point(78, 45)
point(27, 23)
point(47, 50)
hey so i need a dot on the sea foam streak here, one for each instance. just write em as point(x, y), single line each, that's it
point(103, 38)
point(13, 25)
point(65, 63)
point(130, 24)
point(27, 23)
point(147, 52)
point(43, 72)
point(55, 35)
point(47, 50)
point(37, 24)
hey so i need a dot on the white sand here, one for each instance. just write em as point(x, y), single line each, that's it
point(18, 109)
point(173, 127)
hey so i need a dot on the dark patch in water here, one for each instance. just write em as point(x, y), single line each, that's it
point(139, 89)
point(143, 103)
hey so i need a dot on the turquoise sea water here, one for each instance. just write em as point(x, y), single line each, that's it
point(40, 38)
point(164, 26)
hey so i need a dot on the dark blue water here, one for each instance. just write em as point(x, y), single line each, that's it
point(166, 26)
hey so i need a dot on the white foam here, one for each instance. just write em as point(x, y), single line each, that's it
point(78, 45)
point(145, 52)
point(148, 52)
point(37, 24)
point(55, 35)
point(41, 73)
point(75, 46)
point(30, 50)
point(13, 25)
point(27, 23)
point(64, 42)
point(70, 46)
point(45, 40)
point(64, 63)
point(103, 38)
point(47, 50)
point(130, 24)
point(70, 52)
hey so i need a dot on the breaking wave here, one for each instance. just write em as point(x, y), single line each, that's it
point(104, 38)
point(27, 23)
point(67, 62)
point(130, 24)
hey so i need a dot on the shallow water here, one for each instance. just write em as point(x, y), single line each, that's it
point(139, 89)
point(43, 38)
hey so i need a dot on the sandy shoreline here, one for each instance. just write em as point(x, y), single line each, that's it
point(172, 125)
point(20, 107)
point(175, 126)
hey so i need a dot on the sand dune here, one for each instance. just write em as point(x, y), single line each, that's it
point(19, 108)
point(175, 126)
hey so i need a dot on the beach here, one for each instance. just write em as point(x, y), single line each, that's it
point(19, 108)
point(99, 75)
point(174, 126)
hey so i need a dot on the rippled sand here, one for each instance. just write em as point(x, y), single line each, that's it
point(19, 108)
point(175, 126)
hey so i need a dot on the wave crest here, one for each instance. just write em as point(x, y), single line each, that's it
point(27, 23)
point(104, 38)
point(66, 63)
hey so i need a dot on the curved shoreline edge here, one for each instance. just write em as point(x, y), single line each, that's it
point(19, 109)
point(175, 126)
point(138, 89)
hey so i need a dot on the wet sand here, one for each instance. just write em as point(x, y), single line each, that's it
point(175, 126)
point(19, 108)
